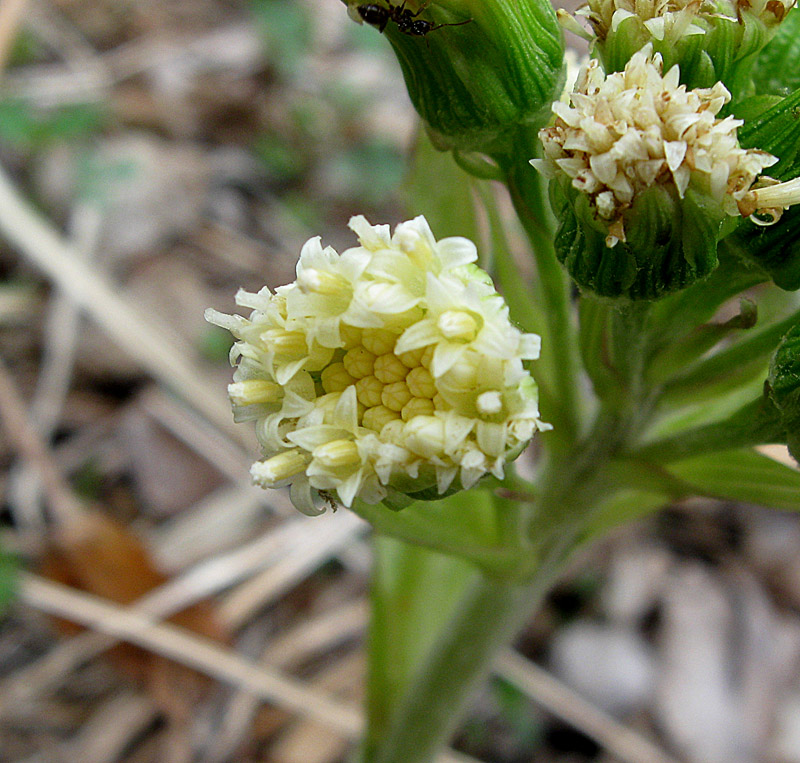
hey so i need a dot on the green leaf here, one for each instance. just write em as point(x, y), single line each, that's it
point(414, 594)
point(777, 130)
point(594, 326)
point(438, 188)
point(523, 303)
point(733, 366)
point(741, 475)
point(467, 524)
point(25, 127)
point(9, 566)
point(777, 69)
point(621, 508)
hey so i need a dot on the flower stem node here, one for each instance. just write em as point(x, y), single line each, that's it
point(474, 84)
point(414, 395)
point(643, 174)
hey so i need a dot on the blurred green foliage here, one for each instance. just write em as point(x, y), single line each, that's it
point(215, 344)
point(287, 31)
point(9, 566)
point(88, 480)
point(24, 127)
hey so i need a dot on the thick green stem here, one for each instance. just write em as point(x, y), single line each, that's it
point(488, 617)
point(493, 610)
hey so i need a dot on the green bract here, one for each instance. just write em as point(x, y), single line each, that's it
point(474, 84)
point(670, 244)
point(784, 386)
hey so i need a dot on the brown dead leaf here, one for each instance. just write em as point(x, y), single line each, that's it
point(106, 559)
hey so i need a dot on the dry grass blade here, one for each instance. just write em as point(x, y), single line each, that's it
point(185, 648)
point(26, 441)
point(620, 741)
point(318, 548)
point(305, 640)
point(289, 541)
point(201, 654)
point(143, 338)
point(62, 327)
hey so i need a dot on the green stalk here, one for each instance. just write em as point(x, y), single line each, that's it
point(492, 611)
point(750, 350)
point(489, 616)
point(560, 341)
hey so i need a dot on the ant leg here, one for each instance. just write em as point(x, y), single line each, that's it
point(454, 23)
point(421, 8)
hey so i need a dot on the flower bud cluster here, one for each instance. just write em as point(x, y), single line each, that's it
point(390, 369)
point(637, 128)
point(661, 19)
point(709, 38)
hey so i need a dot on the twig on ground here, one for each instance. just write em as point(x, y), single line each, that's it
point(254, 594)
point(62, 325)
point(184, 647)
point(201, 654)
point(151, 344)
point(301, 642)
point(68, 511)
point(289, 540)
point(620, 741)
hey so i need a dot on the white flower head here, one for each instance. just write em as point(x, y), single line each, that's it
point(669, 21)
point(633, 129)
point(663, 19)
point(390, 368)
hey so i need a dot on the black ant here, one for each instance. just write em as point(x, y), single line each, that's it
point(407, 22)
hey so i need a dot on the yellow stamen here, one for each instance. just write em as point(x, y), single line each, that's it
point(395, 396)
point(368, 391)
point(379, 341)
point(389, 369)
point(417, 406)
point(421, 383)
point(377, 417)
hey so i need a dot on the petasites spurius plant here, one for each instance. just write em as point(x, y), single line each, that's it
point(645, 248)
